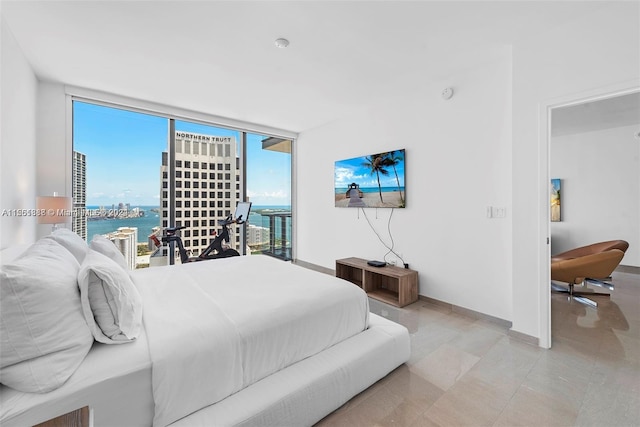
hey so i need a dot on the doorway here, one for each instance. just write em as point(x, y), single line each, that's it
point(593, 167)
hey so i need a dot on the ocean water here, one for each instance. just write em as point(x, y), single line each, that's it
point(152, 219)
point(143, 223)
point(342, 190)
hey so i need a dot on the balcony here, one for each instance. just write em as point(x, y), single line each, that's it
point(278, 242)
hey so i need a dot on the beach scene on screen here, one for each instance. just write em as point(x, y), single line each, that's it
point(372, 181)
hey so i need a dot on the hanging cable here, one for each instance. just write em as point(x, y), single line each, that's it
point(390, 248)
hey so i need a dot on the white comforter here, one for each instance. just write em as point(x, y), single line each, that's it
point(215, 327)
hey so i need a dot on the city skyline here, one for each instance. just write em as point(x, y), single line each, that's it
point(123, 152)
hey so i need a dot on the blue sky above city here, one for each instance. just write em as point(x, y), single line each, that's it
point(124, 155)
point(354, 171)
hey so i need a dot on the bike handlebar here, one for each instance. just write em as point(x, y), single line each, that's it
point(174, 229)
point(228, 220)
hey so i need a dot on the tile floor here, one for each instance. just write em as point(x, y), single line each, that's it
point(469, 372)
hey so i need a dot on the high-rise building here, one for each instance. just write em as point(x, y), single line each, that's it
point(207, 187)
point(257, 235)
point(126, 240)
point(79, 221)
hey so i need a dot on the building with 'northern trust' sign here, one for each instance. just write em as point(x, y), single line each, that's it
point(201, 174)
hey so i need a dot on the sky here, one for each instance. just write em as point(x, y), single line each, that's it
point(124, 154)
point(352, 170)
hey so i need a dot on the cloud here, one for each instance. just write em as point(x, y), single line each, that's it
point(269, 197)
point(280, 194)
point(345, 175)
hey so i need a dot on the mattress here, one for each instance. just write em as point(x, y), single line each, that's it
point(114, 380)
point(307, 391)
point(116, 385)
point(247, 318)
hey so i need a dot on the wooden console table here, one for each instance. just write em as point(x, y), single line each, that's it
point(390, 284)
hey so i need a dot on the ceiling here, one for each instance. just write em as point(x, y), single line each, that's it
point(219, 57)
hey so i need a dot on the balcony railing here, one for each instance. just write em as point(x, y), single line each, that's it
point(278, 244)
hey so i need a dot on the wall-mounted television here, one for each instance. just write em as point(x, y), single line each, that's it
point(373, 181)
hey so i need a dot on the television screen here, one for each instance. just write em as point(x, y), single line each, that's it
point(374, 181)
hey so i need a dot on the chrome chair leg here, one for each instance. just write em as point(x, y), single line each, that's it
point(579, 296)
point(595, 282)
point(558, 288)
point(600, 283)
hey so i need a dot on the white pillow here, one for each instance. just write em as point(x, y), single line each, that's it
point(71, 241)
point(11, 253)
point(110, 301)
point(106, 247)
point(43, 334)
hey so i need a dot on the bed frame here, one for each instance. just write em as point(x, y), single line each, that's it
point(301, 394)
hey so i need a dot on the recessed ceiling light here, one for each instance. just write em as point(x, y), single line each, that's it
point(282, 43)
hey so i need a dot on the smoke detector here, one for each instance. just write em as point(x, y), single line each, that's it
point(447, 93)
point(282, 43)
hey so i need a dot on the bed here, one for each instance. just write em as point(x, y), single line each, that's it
point(239, 341)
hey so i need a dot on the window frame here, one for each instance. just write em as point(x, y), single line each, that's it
point(172, 114)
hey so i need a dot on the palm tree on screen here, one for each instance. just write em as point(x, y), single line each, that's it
point(376, 164)
point(392, 159)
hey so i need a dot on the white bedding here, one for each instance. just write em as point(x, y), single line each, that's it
point(295, 313)
point(307, 391)
point(113, 380)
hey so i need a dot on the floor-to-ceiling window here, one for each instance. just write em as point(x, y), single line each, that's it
point(268, 166)
point(116, 182)
point(135, 174)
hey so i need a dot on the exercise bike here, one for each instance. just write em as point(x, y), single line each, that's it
point(216, 248)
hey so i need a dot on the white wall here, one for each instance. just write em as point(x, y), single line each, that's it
point(53, 155)
point(597, 52)
point(18, 142)
point(600, 172)
point(458, 161)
